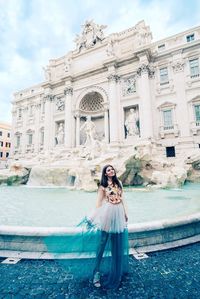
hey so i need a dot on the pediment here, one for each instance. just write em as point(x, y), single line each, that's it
point(166, 104)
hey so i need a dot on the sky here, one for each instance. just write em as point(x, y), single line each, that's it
point(34, 31)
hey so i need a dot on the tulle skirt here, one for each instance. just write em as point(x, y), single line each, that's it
point(100, 245)
point(110, 218)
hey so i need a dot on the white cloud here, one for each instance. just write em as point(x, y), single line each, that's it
point(34, 31)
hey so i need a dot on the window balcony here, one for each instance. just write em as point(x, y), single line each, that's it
point(195, 127)
point(194, 75)
point(30, 148)
point(41, 147)
point(17, 149)
point(166, 130)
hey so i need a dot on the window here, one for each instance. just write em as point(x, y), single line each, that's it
point(42, 137)
point(20, 113)
point(167, 119)
point(199, 145)
point(164, 76)
point(7, 155)
point(197, 114)
point(18, 141)
point(194, 67)
point(170, 151)
point(1, 143)
point(31, 110)
point(30, 139)
point(8, 135)
point(43, 107)
point(161, 47)
point(1, 154)
point(7, 144)
point(1, 133)
point(190, 38)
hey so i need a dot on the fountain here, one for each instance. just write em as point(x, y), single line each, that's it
point(79, 170)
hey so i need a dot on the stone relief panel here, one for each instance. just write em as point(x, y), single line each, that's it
point(132, 122)
point(129, 86)
point(60, 104)
point(178, 66)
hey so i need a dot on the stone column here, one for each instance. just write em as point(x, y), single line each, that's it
point(106, 125)
point(48, 122)
point(68, 117)
point(114, 104)
point(77, 129)
point(144, 73)
point(182, 106)
point(24, 140)
point(37, 128)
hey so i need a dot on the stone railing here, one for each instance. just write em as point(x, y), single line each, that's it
point(165, 130)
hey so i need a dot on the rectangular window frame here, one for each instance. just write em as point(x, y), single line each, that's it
point(30, 139)
point(197, 114)
point(18, 141)
point(168, 123)
point(190, 38)
point(161, 47)
point(194, 67)
point(164, 75)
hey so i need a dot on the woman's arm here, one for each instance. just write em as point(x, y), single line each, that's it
point(99, 201)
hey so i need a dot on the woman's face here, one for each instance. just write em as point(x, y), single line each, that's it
point(110, 172)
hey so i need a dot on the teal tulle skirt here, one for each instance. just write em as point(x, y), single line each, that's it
point(95, 246)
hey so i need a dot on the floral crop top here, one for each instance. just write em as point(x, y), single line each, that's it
point(113, 194)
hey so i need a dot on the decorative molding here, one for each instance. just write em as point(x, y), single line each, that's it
point(178, 66)
point(114, 77)
point(92, 102)
point(68, 91)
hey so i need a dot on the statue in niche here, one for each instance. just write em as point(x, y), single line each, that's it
point(60, 134)
point(131, 123)
point(89, 129)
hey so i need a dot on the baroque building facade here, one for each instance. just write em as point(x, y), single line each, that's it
point(5, 143)
point(125, 87)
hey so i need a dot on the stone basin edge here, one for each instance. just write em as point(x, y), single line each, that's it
point(137, 227)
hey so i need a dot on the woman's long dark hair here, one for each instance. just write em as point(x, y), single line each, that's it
point(104, 178)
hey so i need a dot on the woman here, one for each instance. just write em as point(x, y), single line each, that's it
point(111, 219)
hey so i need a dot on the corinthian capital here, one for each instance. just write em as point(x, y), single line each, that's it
point(113, 77)
point(49, 97)
point(68, 91)
point(146, 69)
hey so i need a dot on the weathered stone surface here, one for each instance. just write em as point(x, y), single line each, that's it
point(14, 176)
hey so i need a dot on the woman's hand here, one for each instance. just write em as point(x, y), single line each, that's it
point(126, 218)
